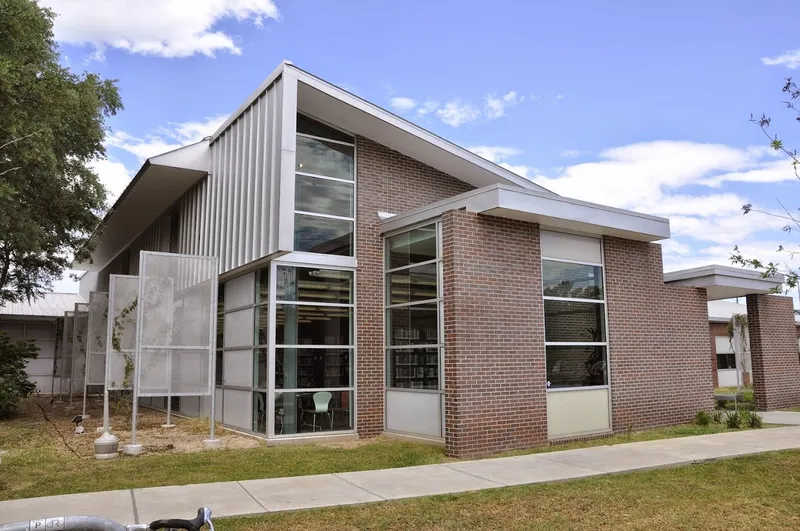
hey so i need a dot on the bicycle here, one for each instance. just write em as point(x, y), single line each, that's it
point(97, 523)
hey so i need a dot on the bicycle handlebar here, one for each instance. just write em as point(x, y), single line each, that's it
point(175, 523)
point(96, 523)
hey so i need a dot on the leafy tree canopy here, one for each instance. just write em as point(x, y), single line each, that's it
point(52, 126)
point(791, 90)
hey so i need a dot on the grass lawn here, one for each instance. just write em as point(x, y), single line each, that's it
point(39, 465)
point(756, 492)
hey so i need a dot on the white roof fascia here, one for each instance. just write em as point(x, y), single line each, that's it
point(549, 211)
point(725, 282)
point(192, 157)
point(412, 129)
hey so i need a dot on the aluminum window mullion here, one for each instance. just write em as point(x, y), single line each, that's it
point(568, 261)
point(569, 299)
point(414, 303)
point(576, 343)
point(326, 304)
point(327, 216)
point(325, 177)
point(323, 139)
point(317, 347)
point(410, 266)
point(417, 346)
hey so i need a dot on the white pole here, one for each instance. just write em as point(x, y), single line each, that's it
point(212, 441)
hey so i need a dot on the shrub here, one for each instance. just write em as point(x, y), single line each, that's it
point(754, 420)
point(733, 420)
point(721, 404)
point(702, 418)
point(14, 383)
point(716, 417)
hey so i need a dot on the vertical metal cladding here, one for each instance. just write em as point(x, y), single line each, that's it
point(233, 214)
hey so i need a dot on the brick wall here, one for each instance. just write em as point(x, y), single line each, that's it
point(659, 342)
point(773, 352)
point(387, 181)
point(494, 335)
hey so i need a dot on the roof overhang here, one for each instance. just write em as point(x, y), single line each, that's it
point(725, 282)
point(550, 211)
point(329, 103)
point(160, 182)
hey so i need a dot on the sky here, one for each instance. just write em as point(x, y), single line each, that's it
point(637, 105)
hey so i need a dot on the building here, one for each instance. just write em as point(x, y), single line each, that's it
point(41, 320)
point(376, 278)
point(723, 359)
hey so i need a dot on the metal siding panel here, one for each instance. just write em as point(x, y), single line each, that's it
point(247, 251)
point(285, 175)
point(258, 184)
point(275, 168)
point(225, 188)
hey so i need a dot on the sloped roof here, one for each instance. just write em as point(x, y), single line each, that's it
point(50, 305)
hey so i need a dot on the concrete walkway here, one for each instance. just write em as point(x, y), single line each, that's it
point(786, 418)
point(283, 494)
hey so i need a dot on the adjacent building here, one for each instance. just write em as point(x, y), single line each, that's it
point(376, 278)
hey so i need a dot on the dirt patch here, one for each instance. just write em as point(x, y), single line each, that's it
point(50, 421)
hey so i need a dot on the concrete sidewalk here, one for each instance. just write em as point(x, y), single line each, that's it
point(283, 494)
point(787, 418)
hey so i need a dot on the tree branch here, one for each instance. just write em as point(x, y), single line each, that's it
point(14, 141)
point(9, 170)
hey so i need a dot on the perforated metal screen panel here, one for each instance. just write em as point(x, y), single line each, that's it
point(66, 358)
point(178, 295)
point(96, 340)
point(80, 329)
point(123, 293)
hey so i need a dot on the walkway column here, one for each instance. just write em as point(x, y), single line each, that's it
point(773, 352)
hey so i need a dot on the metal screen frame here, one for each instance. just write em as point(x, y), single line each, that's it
point(80, 329)
point(96, 326)
point(192, 266)
point(66, 349)
point(115, 296)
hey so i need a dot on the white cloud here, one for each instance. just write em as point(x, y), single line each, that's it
point(652, 177)
point(456, 113)
point(114, 176)
point(165, 28)
point(496, 106)
point(558, 98)
point(500, 155)
point(427, 108)
point(571, 153)
point(495, 153)
point(789, 59)
point(166, 138)
point(402, 103)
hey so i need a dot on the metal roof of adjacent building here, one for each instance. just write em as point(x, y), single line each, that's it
point(49, 305)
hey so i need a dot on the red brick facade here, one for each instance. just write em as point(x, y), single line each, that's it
point(658, 340)
point(773, 352)
point(494, 335)
point(387, 181)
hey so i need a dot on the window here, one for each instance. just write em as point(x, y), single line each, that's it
point(413, 310)
point(726, 361)
point(324, 189)
point(314, 344)
point(576, 340)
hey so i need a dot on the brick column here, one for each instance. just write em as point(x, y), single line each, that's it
point(494, 360)
point(773, 352)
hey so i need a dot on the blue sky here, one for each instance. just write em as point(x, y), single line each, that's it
point(634, 104)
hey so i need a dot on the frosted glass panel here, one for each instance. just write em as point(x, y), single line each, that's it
point(571, 247)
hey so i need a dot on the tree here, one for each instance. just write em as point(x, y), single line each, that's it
point(792, 222)
point(52, 126)
point(14, 383)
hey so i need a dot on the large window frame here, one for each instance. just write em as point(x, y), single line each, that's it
point(603, 301)
point(438, 301)
point(350, 219)
point(271, 390)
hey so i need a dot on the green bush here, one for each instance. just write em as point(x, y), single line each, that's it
point(14, 383)
point(702, 418)
point(733, 420)
point(717, 417)
point(721, 404)
point(754, 420)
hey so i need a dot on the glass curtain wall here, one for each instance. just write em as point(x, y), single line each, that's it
point(413, 304)
point(314, 350)
point(324, 214)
